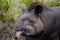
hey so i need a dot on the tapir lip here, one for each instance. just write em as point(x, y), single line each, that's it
point(18, 34)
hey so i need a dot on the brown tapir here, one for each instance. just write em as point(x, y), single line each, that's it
point(39, 23)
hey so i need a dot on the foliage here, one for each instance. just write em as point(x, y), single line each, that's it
point(4, 4)
point(50, 4)
point(13, 11)
point(12, 38)
point(58, 3)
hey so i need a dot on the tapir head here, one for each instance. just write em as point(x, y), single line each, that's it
point(30, 22)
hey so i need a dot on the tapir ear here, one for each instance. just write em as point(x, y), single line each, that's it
point(38, 9)
point(24, 8)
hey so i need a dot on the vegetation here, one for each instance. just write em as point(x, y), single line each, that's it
point(11, 9)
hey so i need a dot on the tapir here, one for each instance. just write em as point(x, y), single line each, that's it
point(38, 22)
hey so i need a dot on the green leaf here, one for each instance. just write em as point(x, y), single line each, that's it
point(12, 38)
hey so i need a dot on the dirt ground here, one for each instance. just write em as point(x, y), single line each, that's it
point(7, 30)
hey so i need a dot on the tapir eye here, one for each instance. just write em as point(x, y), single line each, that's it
point(29, 21)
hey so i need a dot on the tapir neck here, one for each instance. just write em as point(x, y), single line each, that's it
point(28, 38)
point(35, 37)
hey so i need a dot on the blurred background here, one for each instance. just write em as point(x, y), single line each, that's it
point(10, 10)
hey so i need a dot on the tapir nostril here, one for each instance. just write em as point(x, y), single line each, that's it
point(23, 29)
point(17, 28)
point(20, 29)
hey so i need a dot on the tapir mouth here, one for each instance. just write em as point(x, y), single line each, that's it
point(18, 33)
point(29, 30)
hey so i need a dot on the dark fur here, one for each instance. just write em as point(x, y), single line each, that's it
point(50, 18)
